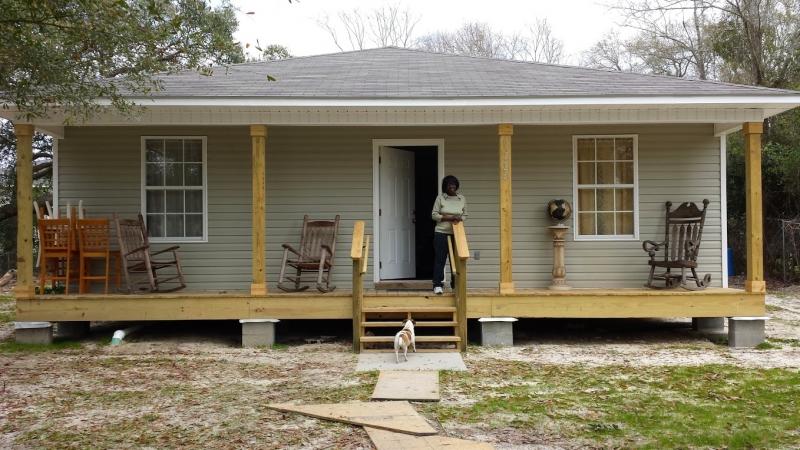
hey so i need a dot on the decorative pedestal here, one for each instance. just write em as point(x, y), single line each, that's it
point(559, 271)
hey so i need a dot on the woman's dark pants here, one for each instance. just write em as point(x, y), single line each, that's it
point(440, 257)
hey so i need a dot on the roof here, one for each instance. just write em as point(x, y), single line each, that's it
point(396, 73)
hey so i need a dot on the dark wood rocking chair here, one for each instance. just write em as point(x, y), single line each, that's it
point(316, 254)
point(684, 231)
point(141, 265)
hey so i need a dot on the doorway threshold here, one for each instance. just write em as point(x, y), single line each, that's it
point(404, 285)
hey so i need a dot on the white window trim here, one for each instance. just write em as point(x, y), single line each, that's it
point(575, 229)
point(143, 198)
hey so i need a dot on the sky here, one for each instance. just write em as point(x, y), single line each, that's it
point(578, 23)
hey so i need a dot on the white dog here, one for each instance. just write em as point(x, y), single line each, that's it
point(404, 338)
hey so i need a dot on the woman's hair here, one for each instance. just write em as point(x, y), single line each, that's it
point(449, 179)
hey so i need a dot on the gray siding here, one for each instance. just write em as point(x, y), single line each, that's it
point(324, 171)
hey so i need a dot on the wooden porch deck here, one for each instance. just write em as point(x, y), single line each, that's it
point(523, 303)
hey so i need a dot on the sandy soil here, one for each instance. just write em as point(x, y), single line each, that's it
point(185, 386)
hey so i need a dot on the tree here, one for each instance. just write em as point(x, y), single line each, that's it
point(479, 39)
point(272, 52)
point(71, 52)
point(381, 27)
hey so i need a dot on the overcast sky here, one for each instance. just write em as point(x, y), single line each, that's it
point(579, 23)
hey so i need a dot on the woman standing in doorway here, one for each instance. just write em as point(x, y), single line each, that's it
point(450, 207)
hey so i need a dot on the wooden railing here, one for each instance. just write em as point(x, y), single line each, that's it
point(459, 254)
point(359, 253)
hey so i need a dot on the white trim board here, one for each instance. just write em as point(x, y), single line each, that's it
point(376, 185)
point(723, 204)
point(421, 116)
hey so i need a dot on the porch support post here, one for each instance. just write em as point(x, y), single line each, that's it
point(258, 138)
point(505, 131)
point(25, 285)
point(755, 246)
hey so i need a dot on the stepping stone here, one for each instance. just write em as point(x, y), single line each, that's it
point(387, 440)
point(413, 386)
point(416, 361)
point(392, 416)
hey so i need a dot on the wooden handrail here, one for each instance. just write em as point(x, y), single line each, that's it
point(356, 249)
point(460, 237)
point(365, 256)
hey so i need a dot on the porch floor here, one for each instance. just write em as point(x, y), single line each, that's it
point(230, 305)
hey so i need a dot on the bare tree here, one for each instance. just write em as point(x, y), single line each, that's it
point(542, 45)
point(612, 53)
point(386, 26)
point(479, 39)
point(671, 36)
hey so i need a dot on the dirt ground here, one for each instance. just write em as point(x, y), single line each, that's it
point(189, 385)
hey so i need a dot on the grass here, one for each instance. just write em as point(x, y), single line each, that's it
point(15, 347)
point(620, 406)
point(7, 312)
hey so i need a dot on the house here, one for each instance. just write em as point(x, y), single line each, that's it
point(261, 154)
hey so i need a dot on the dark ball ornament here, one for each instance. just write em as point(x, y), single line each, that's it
point(559, 210)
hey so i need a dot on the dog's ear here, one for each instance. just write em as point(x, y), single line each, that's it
point(413, 322)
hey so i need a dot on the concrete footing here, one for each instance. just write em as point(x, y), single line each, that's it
point(708, 324)
point(258, 332)
point(33, 332)
point(72, 330)
point(746, 331)
point(497, 331)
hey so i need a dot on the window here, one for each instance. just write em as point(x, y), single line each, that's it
point(174, 187)
point(605, 186)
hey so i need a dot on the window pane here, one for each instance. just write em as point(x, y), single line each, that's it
point(155, 225)
point(154, 150)
point(605, 223)
point(175, 201)
point(193, 150)
point(194, 201)
point(625, 223)
point(585, 149)
point(155, 202)
point(624, 173)
point(624, 199)
point(175, 225)
point(605, 200)
point(586, 223)
point(194, 225)
point(586, 200)
point(605, 149)
point(624, 148)
point(605, 173)
point(154, 174)
point(174, 150)
point(585, 173)
point(174, 174)
point(194, 174)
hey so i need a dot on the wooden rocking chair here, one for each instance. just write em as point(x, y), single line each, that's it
point(316, 254)
point(140, 265)
point(684, 230)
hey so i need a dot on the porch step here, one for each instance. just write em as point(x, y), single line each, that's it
point(407, 309)
point(398, 324)
point(390, 339)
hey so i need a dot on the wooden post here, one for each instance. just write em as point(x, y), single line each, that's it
point(356, 254)
point(25, 284)
point(755, 221)
point(462, 255)
point(505, 131)
point(258, 139)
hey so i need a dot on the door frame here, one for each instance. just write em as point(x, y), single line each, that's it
point(376, 186)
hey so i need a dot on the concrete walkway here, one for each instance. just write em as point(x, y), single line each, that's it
point(416, 361)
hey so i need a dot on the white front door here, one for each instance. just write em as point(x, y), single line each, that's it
point(396, 214)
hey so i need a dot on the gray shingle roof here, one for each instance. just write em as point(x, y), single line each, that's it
point(389, 73)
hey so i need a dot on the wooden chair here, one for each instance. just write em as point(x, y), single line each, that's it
point(141, 265)
point(56, 240)
point(316, 254)
point(93, 243)
point(683, 234)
